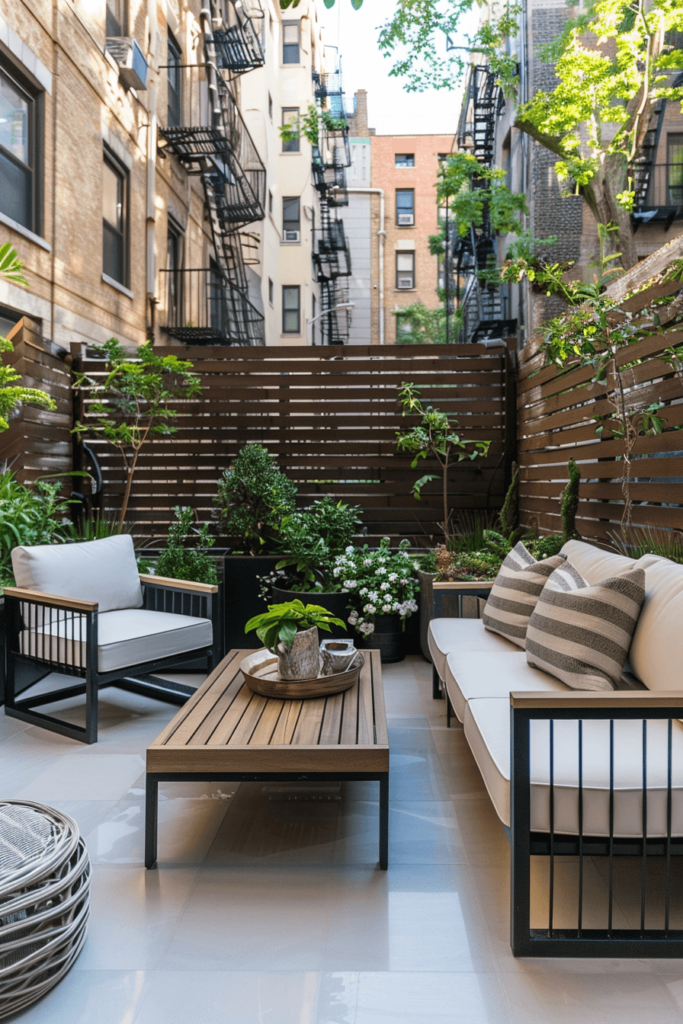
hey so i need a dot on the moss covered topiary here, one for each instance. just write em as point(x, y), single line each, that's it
point(569, 503)
point(509, 513)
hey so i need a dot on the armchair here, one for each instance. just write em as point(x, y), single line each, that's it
point(83, 610)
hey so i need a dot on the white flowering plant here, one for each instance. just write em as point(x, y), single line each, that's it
point(378, 582)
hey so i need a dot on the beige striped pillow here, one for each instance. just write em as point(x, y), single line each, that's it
point(514, 595)
point(581, 634)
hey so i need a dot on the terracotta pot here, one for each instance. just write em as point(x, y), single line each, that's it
point(302, 660)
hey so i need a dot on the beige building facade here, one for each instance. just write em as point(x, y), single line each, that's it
point(143, 179)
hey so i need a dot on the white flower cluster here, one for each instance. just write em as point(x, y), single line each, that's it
point(378, 582)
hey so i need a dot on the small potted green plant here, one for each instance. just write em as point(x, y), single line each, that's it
point(290, 630)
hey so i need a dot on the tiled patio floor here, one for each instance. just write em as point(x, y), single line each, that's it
point(266, 910)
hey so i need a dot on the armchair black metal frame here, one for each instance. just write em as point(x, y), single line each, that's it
point(77, 650)
point(610, 941)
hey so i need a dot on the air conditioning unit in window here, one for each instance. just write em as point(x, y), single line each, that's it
point(131, 62)
point(291, 236)
point(406, 219)
point(405, 282)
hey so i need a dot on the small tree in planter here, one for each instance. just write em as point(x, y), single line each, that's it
point(253, 498)
point(434, 437)
point(180, 562)
point(132, 402)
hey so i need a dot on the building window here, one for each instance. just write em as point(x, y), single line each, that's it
point(291, 219)
point(114, 220)
point(270, 106)
point(405, 270)
point(405, 207)
point(271, 292)
point(290, 42)
point(443, 157)
point(404, 160)
point(17, 153)
point(290, 116)
point(175, 245)
point(674, 159)
point(175, 82)
point(116, 18)
point(291, 309)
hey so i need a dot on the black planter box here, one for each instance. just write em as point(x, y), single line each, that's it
point(241, 600)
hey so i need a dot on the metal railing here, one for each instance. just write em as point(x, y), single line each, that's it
point(237, 35)
point(202, 307)
point(331, 253)
point(660, 185)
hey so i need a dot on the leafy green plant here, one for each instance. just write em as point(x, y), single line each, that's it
point(12, 395)
point(180, 562)
point(636, 541)
point(29, 515)
point(281, 623)
point(379, 582)
point(130, 404)
point(474, 192)
point(253, 498)
point(310, 125)
point(434, 438)
point(418, 325)
point(569, 503)
point(312, 538)
point(469, 566)
point(93, 527)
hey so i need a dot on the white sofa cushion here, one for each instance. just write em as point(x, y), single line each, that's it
point(104, 571)
point(580, 633)
point(492, 674)
point(487, 728)
point(515, 592)
point(125, 637)
point(446, 635)
point(593, 563)
point(656, 654)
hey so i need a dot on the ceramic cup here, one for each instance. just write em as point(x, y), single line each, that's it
point(338, 655)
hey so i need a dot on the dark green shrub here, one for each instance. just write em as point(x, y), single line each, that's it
point(29, 515)
point(253, 498)
point(187, 563)
point(569, 503)
point(509, 513)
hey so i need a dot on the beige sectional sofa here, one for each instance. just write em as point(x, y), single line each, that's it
point(610, 755)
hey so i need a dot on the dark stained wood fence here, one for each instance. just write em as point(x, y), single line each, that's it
point(330, 417)
point(555, 417)
point(39, 442)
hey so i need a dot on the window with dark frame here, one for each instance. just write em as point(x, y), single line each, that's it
point(174, 74)
point(116, 18)
point(175, 258)
point(674, 160)
point(115, 220)
point(290, 42)
point(405, 270)
point(405, 207)
point(291, 219)
point(291, 309)
point(290, 116)
point(404, 160)
point(18, 130)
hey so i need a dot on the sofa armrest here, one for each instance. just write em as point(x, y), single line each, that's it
point(171, 584)
point(54, 600)
point(581, 700)
point(463, 586)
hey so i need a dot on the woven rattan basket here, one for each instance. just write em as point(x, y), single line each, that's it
point(44, 900)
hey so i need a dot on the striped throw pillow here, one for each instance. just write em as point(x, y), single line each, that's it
point(514, 595)
point(581, 634)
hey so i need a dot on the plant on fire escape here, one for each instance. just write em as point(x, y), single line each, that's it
point(129, 404)
point(434, 437)
point(310, 124)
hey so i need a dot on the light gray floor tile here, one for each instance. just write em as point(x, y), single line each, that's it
point(85, 775)
point(90, 997)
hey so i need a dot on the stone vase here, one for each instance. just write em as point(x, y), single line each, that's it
point(302, 660)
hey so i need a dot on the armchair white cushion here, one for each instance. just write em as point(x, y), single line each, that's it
point(104, 571)
point(125, 637)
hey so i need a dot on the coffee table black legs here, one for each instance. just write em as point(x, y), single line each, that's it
point(151, 820)
point(152, 798)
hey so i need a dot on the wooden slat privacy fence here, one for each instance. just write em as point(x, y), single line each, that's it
point(330, 417)
point(556, 421)
point(39, 441)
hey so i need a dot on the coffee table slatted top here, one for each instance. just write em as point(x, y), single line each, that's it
point(225, 727)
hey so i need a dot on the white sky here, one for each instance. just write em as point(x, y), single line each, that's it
point(392, 111)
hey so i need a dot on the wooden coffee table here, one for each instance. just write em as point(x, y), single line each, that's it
point(226, 733)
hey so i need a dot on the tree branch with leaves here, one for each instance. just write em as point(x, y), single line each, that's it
point(130, 404)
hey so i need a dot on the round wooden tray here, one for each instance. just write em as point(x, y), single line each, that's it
point(261, 674)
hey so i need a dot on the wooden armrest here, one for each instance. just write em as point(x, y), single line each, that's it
point(600, 699)
point(74, 603)
point(166, 581)
point(464, 585)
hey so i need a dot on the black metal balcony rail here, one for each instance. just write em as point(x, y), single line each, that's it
point(327, 83)
point(658, 186)
point(330, 182)
point(331, 254)
point(333, 148)
point(237, 35)
point(483, 101)
point(335, 325)
point(202, 307)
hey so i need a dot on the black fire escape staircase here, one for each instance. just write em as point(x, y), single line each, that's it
point(222, 153)
point(331, 256)
point(237, 36)
point(658, 186)
point(481, 304)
